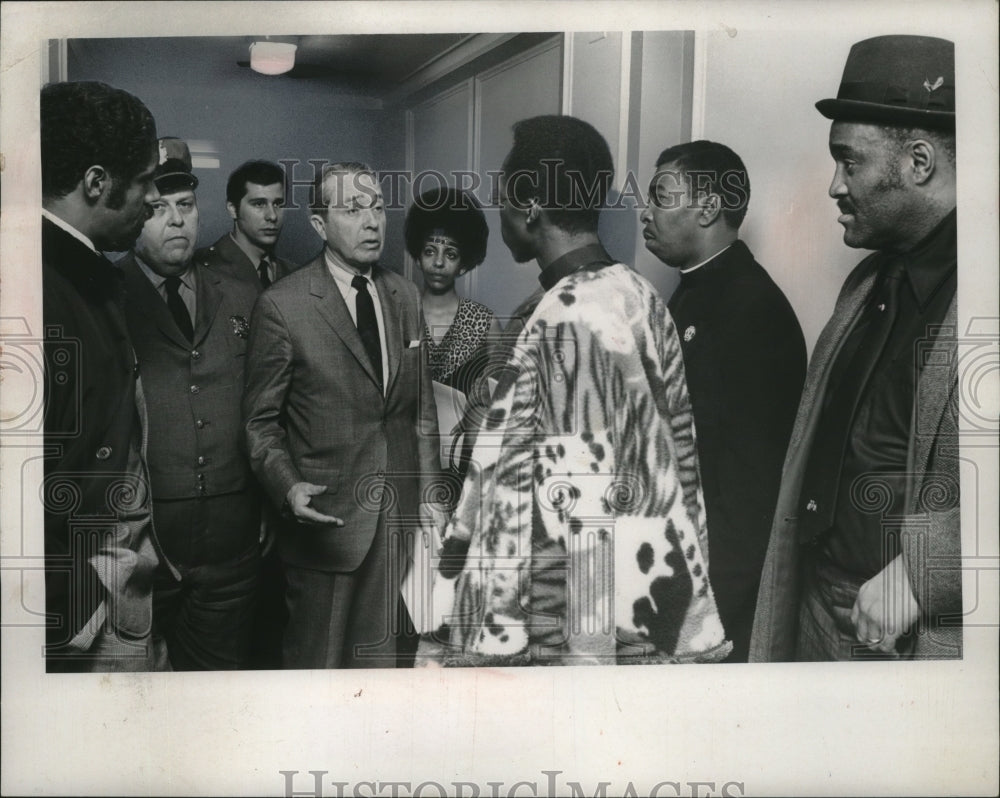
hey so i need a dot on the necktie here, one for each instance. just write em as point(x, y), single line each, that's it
point(177, 307)
point(262, 272)
point(368, 325)
point(822, 477)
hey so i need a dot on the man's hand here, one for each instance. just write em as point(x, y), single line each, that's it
point(433, 520)
point(298, 498)
point(885, 608)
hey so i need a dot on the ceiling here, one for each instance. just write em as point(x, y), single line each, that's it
point(366, 64)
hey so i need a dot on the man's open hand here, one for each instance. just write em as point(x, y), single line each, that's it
point(298, 499)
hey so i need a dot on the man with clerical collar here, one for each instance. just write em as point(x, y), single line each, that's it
point(341, 429)
point(744, 357)
point(255, 199)
point(189, 328)
point(864, 560)
point(581, 512)
point(98, 154)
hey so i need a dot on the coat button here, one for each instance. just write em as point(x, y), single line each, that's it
point(199, 423)
point(104, 453)
point(195, 389)
point(195, 354)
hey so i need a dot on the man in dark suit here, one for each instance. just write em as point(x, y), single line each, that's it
point(744, 360)
point(98, 147)
point(864, 559)
point(255, 199)
point(341, 428)
point(189, 328)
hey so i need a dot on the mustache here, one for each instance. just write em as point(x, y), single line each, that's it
point(846, 206)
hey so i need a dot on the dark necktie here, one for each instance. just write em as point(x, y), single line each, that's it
point(368, 325)
point(177, 307)
point(822, 476)
point(262, 272)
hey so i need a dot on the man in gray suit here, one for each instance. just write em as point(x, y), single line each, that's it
point(341, 428)
point(189, 328)
point(864, 559)
point(255, 199)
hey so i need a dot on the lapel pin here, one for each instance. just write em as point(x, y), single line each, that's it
point(689, 333)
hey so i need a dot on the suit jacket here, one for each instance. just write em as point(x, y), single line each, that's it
point(91, 416)
point(744, 362)
point(226, 256)
point(193, 388)
point(930, 533)
point(313, 412)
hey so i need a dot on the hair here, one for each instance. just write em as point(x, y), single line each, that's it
point(943, 140)
point(319, 199)
point(88, 123)
point(713, 168)
point(563, 163)
point(458, 214)
point(263, 173)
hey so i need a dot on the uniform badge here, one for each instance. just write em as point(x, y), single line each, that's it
point(689, 333)
point(241, 326)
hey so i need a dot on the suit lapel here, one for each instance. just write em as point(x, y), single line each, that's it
point(209, 299)
point(845, 316)
point(933, 395)
point(393, 331)
point(331, 307)
point(243, 268)
point(141, 291)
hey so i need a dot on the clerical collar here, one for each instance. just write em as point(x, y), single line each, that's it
point(930, 262)
point(707, 260)
point(65, 226)
point(592, 256)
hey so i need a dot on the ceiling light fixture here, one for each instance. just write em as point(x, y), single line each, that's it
point(272, 58)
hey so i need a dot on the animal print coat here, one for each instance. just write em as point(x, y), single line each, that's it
point(585, 467)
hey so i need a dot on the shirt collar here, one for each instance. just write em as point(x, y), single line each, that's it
point(591, 256)
point(713, 257)
point(932, 260)
point(62, 224)
point(158, 280)
point(344, 274)
point(254, 254)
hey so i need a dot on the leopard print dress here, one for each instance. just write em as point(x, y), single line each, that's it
point(458, 357)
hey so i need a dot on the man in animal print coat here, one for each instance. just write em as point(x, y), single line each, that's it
point(582, 509)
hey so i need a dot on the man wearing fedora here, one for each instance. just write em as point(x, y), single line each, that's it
point(864, 558)
point(189, 326)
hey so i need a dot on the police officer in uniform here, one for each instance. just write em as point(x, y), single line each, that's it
point(189, 326)
point(255, 199)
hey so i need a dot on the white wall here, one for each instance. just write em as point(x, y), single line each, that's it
point(635, 88)
point(759, 95)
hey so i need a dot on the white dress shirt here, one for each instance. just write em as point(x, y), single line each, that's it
point(343, 277)
point(68, 228)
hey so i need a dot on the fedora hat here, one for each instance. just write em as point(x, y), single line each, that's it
point(173, 172)
point(897, 80)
